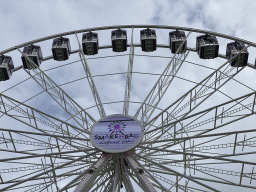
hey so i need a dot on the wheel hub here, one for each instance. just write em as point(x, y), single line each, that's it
point(116, 133)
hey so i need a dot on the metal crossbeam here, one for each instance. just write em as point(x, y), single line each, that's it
point(177, 173)
point(37, 119)
point(38, 144)
point(204, 179)
point(10, 105)
point(45, 185)
point(216, 120)
point(45, 172)
point(218, 115)
point(171, 182)
point(44, 134)
point(221, 158)
point(45, 155)
point(35, 167)
point(214, 146)
point(204, 168)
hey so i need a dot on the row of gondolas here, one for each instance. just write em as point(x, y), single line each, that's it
point(206, 45)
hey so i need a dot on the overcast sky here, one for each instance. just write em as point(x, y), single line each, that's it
point(26, 20)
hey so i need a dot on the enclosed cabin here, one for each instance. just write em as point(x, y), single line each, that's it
point(6, 67)
point(207, 46)
point(233, 49)
point(32, 53)
point(119, 40)
point(90, 43)
point(61, 49)
point(176, 39)
point(148, 40)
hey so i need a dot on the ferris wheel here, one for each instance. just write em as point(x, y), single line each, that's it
point(128, 114)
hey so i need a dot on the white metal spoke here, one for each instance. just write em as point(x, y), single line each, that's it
point(117, 176)
point(89, 177)
point(37, 175)
point(162, 84)
point(60, 96)
point(147, 185)
point(102, 183)
point(199, 97)
point(129, 78)
point(37, 120)
point(126, 178)
point(177, 173)
point(152, 177)
point(12, 106)
point(203, 156)
point(219, 115)
point(91, 81)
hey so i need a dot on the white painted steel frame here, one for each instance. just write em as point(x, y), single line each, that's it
point(142, 170)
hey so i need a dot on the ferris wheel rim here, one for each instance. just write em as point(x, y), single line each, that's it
point(127, 26)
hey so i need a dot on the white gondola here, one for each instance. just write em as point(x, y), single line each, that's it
point(148, 40)
point(119, 40)
point(61, 49)
point(34, 53)
point(207, 46)
point(6, 67)
point(232, 49)
point(176, 38)
point(90, 43)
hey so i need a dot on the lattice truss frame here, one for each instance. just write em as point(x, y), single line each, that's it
point(188, 144)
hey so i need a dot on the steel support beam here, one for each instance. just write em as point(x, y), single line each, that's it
point(218, 116)
point(23, 109)
point(90, 80)
point(12, 107)
point(201, 94)
point(203, 156)
point(102, 183)
point(126, 179)
point(45, 172)
point(216, 121)
point(72, 108)
point(44, 134)
point(142, 177)
point(177, 173)
point(88, 179)
point(151, 176)
point(129, 78)
point(45, 155)
point(162, 84)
